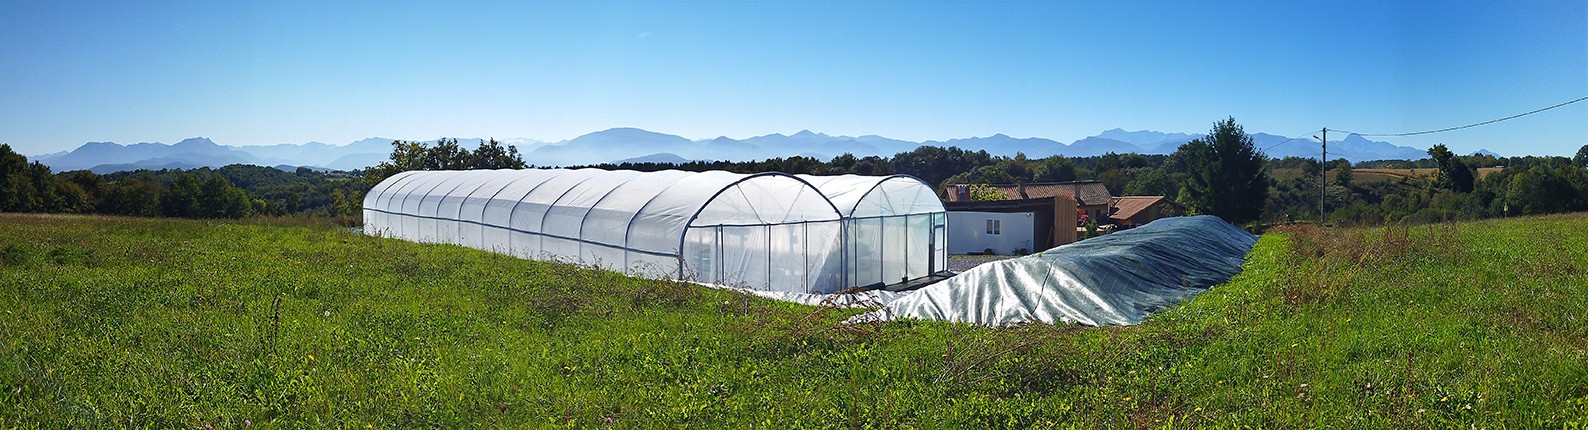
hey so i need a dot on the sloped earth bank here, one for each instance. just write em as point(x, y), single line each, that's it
point(1117, 279)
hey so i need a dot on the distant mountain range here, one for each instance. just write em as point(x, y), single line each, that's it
point(636, 145)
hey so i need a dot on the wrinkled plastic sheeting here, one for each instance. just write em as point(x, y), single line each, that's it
point(1116, 279)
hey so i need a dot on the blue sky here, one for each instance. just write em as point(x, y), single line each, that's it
point(255, 73)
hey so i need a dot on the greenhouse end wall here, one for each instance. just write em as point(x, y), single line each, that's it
point(768, 231)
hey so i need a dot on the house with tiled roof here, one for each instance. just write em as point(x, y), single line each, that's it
point(1131, 211)
point(1090, 196)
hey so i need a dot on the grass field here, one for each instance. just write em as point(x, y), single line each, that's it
point(112, 322)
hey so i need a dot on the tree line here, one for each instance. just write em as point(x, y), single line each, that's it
point(233, 191)
point(1221, 173)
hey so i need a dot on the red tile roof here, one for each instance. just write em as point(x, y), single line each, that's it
point(1130, 206)
point(1087, 193)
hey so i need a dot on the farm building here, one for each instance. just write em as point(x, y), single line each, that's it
point(766, 231)
point(1090, 196)
point(1133, 211)
point(1011, 226)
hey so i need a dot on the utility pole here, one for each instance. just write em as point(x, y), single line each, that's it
point(1323, 176)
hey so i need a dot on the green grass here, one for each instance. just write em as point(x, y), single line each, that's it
point(111, 322)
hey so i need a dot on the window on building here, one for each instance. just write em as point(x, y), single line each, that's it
point(993, 226)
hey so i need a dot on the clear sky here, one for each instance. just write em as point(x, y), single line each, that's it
point(256, 73)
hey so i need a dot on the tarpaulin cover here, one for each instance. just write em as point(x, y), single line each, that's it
point(1116, 279)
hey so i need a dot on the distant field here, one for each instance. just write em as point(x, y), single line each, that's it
point(1377, 175)
point(127, 322)
point(1414, 173)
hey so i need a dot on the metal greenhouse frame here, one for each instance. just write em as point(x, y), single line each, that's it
point(766, 231)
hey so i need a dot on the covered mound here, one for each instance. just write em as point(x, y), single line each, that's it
point(1117, 279)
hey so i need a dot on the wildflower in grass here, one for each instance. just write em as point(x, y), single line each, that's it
point(248, 423)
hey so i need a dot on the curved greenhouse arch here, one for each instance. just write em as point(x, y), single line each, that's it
point(668, 224)
point(766, 231)
point(895, 227)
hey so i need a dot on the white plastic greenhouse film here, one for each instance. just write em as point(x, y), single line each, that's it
point(895, 249)
point(919, 251)
point(611, 218)
point(472, 209)
point(407, 204)
point(701, 256)
point(865, 235)
point(786, 264)
point(444, 226)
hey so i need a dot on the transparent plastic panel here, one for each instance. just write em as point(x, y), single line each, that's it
point(397, 183)
point(566, 215)
point(940, 230)
point(386, 222)
point(409, 205)
point(825, 257)
point(895, 246)
point(443, 224)
point(611, 220)
point(869, 196)
point(427, 201)
point(918, 254)
point(498, 211)
point(471, 209)
point(788, 264)
point(766, 200)
point(659, 225)
point(898, 195)
point(702, 256)
point(529, 214)
point(745, 260)
point(390, 202)
point(865, 251)
point(842, 190)
point(451, 206)
point(376, 222)
point(498, 208)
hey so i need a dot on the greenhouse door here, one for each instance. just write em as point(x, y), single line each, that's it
point(934, 244)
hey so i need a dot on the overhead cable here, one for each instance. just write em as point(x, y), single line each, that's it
point(1442, 130)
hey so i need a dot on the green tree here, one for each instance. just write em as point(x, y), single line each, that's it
point(137, 197)
point(1155, 182)
point(1581, 160)
point(1454, 174)
point(492, 155)
point(984, 193)
point(934, 164)
point(1057, 168)
point(447, 155)
point(180, 197)
point(1226, 175)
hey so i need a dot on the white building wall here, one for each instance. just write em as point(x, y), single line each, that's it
point(967, 232)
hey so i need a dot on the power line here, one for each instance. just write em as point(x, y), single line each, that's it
point(1442, 130)
point(1293, 139)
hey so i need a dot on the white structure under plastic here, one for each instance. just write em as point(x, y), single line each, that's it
point(767, 231)
point(1116, 279)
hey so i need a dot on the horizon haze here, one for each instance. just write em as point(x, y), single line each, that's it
point(269, 73)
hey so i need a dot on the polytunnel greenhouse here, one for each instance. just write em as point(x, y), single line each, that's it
point(766, 231)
